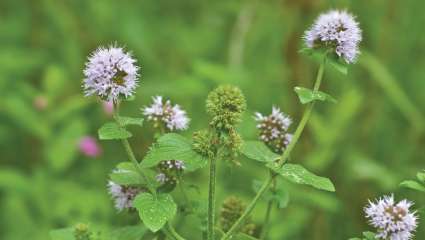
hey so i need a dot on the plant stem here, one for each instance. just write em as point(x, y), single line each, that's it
point(173, 233)
point(130, 153)
point(211, 199)
point(265, 229)
point(283, 158)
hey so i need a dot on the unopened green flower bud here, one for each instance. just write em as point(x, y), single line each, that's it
point(232, 143)
point(204, 143)
point(226, 105)
point(82, 232)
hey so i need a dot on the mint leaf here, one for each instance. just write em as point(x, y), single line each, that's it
point(155, 211)
point(298, 174)
point(124, 121)
point(173, 146)
point(111, 130)
point(257, 150)
point(307, 95)
point(413, 185)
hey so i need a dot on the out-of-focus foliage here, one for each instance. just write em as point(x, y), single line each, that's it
point(367, 143)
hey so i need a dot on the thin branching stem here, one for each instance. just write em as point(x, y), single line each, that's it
point(283, 158)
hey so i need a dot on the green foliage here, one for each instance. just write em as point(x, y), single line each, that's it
point(112, 130)
point(125, 121)
point(258, 151)
point(156, 210)
point(298, 174)
point(331, 58)
point(172, 146)
point(418, 185)
point(306, 95)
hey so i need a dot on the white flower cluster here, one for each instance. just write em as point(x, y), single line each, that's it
point(110, 73)
point(394, 221)
point(123, 195)
point(337, 30)
point(273, 129)
point(160, 112)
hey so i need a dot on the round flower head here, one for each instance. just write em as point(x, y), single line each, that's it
point(273, 129)
point(110, 73)
point(123, 195)
point(336, 30)
point(394, 221)
point(226, 105)
point(163, 113)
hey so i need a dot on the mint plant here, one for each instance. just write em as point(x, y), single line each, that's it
point(147, 185)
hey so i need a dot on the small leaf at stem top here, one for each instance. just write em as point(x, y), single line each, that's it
point(307, 95)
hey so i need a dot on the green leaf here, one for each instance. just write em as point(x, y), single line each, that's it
point(338, 64)
point(111, 130)
point(257, 150)
point(128, 233)
point(421, 176)
point(334, 60)
point(369, 235)
point(174, 147)
point(307, 95)
point(62, 234)
point(124, 121)
point(413, 185)
point(155, 211)
point(126, 177)
point(298, 174)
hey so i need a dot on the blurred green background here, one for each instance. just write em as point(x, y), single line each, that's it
point(367, 143)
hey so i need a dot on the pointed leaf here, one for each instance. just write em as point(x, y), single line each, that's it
point(413, 185)
point(298, 174)
point(155, 211)
point(173, 146)
point(111, 130)
point(421, 176)
point(257, 150)
point(307, 95)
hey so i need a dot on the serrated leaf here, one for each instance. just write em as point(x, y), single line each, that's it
point(257, 150)
point(173, 146)
point(307, 95)
point(413, 185)
point(111, 131)
point(62, 234)
point(155, 211)
point(124, 121)
point(298, 174)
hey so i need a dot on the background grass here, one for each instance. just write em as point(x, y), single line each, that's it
point(367, 143)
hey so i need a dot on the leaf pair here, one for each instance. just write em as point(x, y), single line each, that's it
point(334, 61)
point(113, 130)
point(295, 173)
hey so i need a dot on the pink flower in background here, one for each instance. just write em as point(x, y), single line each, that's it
point(108, 107)
point(89, 147)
